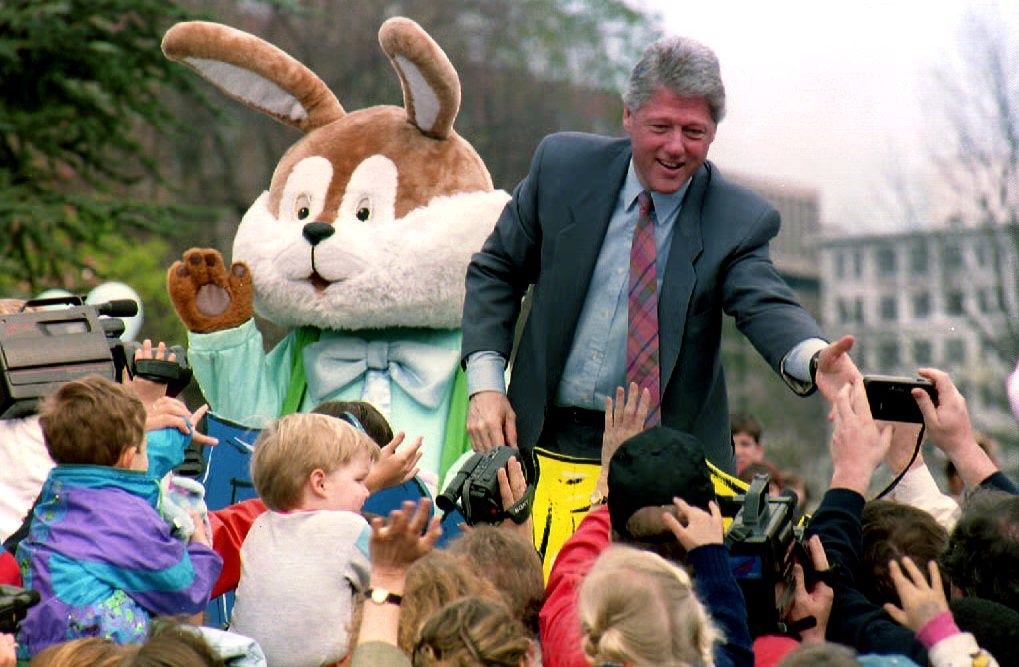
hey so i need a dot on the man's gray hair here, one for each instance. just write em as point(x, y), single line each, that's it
point(684, 66)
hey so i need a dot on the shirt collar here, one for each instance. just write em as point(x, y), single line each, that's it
point(666, 205)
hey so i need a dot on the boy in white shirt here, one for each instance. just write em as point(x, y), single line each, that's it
point(303, 561)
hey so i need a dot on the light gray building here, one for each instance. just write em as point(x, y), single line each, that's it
point(933, 298)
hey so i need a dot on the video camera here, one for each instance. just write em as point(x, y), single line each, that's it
point(42, 349)
point(475, 490)
point(14, 604)
point(762, 545)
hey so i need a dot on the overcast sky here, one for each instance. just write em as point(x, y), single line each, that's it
point(826, 94)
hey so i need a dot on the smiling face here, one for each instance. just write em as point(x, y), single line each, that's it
point(670, 136)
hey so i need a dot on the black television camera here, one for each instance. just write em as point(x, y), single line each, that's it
point(475, 490)
point(42, 349)
point(14, 604)
point(761, 542)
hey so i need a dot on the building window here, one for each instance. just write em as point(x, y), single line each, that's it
point(888, 356)
point(922, 353)
point(954, 303)
point(951, 258)
point(857, 263)
point(840, 265)
point(918, 258)
point(885, 259)
point(955, 351)
point(922, 305)
point(889, 308)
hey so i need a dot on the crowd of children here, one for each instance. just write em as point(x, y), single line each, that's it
point(645, 580)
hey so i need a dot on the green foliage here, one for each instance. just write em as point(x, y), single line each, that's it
point(81, 79)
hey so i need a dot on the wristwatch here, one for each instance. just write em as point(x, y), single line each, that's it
point(383, 596)
point(812, 366)
point(598, 498)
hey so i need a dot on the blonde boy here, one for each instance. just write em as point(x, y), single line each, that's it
point(102, 558)
point(304, 560)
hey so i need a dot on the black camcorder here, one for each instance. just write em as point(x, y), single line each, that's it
point(474, 491)
point(14, 604)
point(761, 542)
point(41, 349)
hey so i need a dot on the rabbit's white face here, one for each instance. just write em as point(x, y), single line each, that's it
point(364, 268)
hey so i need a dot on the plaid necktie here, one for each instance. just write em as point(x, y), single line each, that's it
point(642, 343)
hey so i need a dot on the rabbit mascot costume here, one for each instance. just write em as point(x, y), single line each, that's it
point(359, 246)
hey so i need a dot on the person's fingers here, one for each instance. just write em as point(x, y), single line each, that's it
point(421, 515)
point(858, 399)
point(393, 444)
point(818, 556)
point(715, 511)
point(799, 581)
point(899, 579)
point(843, 407)
point(518, 482)
point(674, 526)
point(913, 572)
point(644, 406)
point(433, 534)
point(897, 614)
point(197, 415)
point(632, 396)
point(935, 575)
point(619, 407)
point(609, 411)
point(204, 439)
point(510, 429)
point(505, 492)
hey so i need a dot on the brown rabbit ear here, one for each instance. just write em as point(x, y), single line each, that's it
point(431, 87)
point(254, 72)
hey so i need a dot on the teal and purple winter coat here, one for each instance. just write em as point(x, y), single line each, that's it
point(104, 560)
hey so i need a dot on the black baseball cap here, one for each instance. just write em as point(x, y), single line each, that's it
point(651, 468)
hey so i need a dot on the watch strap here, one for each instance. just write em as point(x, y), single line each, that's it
point(384, 596)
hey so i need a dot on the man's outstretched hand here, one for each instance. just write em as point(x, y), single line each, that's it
point(835, 368)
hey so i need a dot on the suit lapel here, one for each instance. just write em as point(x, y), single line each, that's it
point(578, 246)
point(680, 277)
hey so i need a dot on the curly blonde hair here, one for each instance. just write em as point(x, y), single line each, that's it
point(637, 608)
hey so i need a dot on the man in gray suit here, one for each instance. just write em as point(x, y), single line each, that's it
point(568, 231)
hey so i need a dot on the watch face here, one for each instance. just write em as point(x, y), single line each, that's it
point(379, 595)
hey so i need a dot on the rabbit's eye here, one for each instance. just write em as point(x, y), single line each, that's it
point(364, 209)
point(303, 207)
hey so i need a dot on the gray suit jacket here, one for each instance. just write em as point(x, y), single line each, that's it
point(550, 234)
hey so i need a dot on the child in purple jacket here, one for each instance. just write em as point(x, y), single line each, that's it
point(100, 555)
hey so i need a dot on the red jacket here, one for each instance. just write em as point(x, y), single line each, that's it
point(558, 622)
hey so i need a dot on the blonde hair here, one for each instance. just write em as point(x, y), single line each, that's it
point(83, 652)
point(433, 581)
point(91, 421)
point(294, 446)
point(471, 631)
point(637, 608)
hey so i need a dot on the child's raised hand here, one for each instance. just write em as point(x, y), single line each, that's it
point(395, 466)
point(147, 390)
point(513, 487)
point(624, 418)
point(921, 601)
point(701, 527)
point(408, 535)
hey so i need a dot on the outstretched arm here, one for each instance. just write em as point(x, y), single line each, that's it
point(949, 428)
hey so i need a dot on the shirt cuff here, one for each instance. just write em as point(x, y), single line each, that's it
point(486, 371)
point(795, 366)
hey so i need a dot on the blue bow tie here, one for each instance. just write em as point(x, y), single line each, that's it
point(423, 371)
